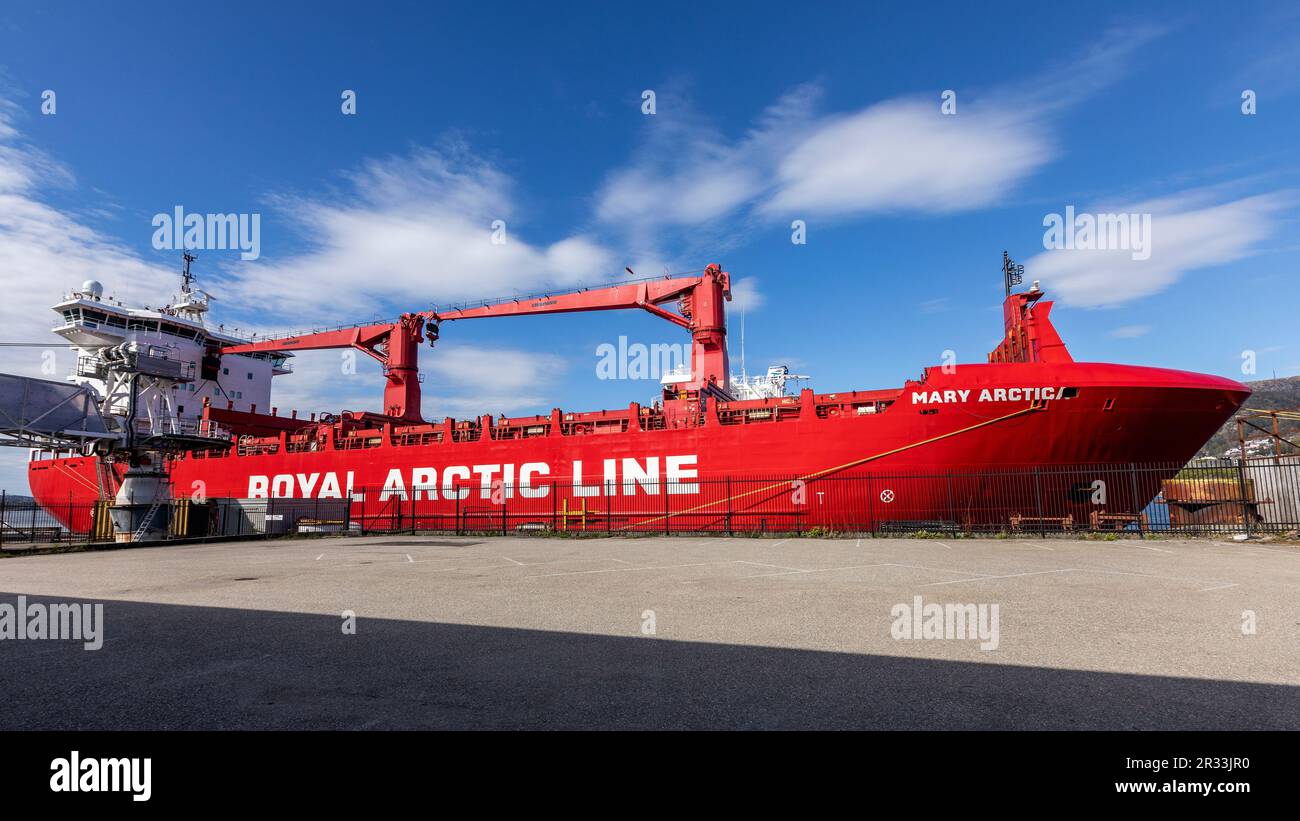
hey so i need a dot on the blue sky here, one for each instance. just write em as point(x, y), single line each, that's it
point(765, 113)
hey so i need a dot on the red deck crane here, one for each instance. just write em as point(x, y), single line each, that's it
point(395, 345)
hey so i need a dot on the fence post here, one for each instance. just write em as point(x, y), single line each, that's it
point(729, 532)
point(1241, 484)
point(503, 511)
point(871, 506)
point(457, 492)
point(1133, 484)
point(952, 508)
point(1038, 495)
point(3, 521)
point(555, 501)
point(665, 486)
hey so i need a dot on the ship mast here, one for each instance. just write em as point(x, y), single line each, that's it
point(1012, 274)
point(186, 276)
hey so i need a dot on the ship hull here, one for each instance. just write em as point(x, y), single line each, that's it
point(972, 447)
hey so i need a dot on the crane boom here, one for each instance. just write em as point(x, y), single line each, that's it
point(701, 311)
point(700, 306)
point(395, 345)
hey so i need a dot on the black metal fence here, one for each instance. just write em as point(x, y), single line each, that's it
point(1254, 497)
point(1216, 497)
point(24, 522)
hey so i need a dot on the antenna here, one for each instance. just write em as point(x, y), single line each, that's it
point(186, 276)
point(1012, 274)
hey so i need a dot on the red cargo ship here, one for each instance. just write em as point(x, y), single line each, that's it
point(663, 466)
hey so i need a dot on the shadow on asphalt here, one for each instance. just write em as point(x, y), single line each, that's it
point(174, 667)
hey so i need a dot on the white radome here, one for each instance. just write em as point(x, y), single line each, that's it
point(93, 288)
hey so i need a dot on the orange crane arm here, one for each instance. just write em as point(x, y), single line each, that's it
point(700, 302)
point(396, 345)
point(645, 295)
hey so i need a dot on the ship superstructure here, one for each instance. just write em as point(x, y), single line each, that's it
point(176, 354)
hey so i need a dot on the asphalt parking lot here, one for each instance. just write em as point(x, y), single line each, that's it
point(662, 633)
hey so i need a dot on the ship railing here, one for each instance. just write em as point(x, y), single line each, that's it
point(169, 426)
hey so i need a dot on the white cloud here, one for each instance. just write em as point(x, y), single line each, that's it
point(745, 296)
point(688, 172)
point(900, 154)
point(473, 381)
point(1130, 331)
point(413, 231)
point(320, 382)
point(1188, 231)
point(906, 155)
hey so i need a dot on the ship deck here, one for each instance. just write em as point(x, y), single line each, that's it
point(747, 633)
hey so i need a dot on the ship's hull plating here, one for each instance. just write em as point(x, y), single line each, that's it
point(949, 425)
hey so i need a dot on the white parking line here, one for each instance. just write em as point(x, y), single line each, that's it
point(1156, 549)
point(1010, 576)
point(819, 570)
point(1109, 572)
point(940, 569)
point(777, 566)
point(625, 569)
point(1219, 587)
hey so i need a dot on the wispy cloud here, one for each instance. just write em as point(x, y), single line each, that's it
point(905, 155)
point(688, 172)
point(746, 296)
point(895, 155)
point(409, 231)
point(1189, 230)
point(476, 380)
point(1130, 331)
